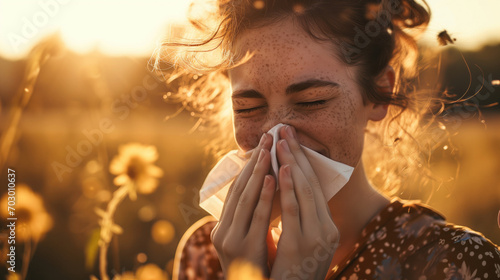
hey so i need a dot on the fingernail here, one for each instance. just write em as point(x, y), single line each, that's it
point(289, 131)
point(261, 155)
point(284, 145)
point(263, 139)
point(286, 169)
point(267, 181)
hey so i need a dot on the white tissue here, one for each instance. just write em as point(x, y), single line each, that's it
point(332, 175)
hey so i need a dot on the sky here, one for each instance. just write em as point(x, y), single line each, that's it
point(134, 27)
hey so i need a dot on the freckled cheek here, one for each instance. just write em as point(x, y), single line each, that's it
point(352, 148)
point(247, 134)
point(344, 145)
point(342, 135)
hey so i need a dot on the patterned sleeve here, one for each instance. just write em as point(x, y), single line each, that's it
point(196, 257)
point(458, 253)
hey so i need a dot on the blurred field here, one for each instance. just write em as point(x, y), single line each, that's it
point(76, 96)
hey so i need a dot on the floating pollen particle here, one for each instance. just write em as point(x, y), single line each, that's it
point(444, 38)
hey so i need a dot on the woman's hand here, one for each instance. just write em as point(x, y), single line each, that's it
point(309, 237)
point(242, 229)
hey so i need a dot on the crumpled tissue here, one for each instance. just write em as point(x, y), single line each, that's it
point(332, 175)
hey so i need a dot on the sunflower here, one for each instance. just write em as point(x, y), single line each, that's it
point(134, 167)
point(32, 219)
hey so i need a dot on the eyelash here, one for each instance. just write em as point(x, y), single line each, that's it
point(302, 104)
point(247, 111)
point(312, 104)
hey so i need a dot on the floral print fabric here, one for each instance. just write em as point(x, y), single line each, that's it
point(406, 240)
point(410, 241)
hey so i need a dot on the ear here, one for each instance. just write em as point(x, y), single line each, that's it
point(385, 83)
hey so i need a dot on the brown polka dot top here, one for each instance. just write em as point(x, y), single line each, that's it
point(406, 240)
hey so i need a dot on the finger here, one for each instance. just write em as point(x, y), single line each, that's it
point(258, 184)
point(301, 187)
point(289, 134)
point(262, 213)
point(239, 183)
point(290, 210)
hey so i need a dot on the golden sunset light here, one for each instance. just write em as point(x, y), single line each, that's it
point(260, 139)
point(113, 27)
point(134, 27)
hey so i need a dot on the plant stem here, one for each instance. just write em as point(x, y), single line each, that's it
point(107, 224)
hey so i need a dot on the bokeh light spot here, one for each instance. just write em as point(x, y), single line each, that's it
point(258, 4)
point(162, 232)
point(91, 187)
point(299, 9)
point(142, 258)
point(146, 213)
point(103, 196)
point(93, 166)
point(150, 272)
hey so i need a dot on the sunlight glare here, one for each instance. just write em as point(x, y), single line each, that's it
point(119, 27)
point(113, 27)
point(135, 27)
point(471, 23)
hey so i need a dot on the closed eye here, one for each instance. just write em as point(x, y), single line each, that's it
point(306, 105)
point(248, 110)
point(312, 103)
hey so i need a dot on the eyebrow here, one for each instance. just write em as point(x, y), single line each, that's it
point(308, 84)
point(291, 89)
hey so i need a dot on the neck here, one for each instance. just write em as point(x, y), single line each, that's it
point(352, 208)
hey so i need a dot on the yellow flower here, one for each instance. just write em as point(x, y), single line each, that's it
point(134, 167)
point(32, 219)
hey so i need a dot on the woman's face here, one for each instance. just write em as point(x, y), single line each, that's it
point(296, 80)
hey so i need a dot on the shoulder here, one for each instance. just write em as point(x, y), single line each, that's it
point(195, 257)
point(411, 239)
point(442, 250)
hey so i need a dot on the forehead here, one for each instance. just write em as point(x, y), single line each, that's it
point(284, 52)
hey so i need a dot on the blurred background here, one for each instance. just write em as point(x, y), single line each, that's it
point(75, 86)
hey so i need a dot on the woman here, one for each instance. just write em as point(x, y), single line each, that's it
point(327, 69)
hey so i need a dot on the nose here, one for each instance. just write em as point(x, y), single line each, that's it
point(275, 115)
